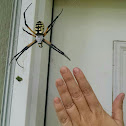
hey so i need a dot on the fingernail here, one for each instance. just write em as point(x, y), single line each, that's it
point(56, 100)
point(63, 70)
point(76, 70)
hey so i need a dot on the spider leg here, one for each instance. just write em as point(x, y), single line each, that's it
point(28, 32)
point(58, 50)
point(26, 22)
point(22, 51)
point(15, 56)
point(19, 65)
point(52, 24)
point(17, 59)
point(55, 48)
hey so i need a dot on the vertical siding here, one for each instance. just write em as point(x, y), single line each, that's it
point(5, 19)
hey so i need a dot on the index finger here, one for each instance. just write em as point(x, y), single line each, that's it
point(87, 90)
point(75, 91)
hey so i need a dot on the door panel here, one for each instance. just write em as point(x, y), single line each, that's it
point(119, 71)
point(85, 32)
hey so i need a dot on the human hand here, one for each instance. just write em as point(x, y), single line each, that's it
point(79, 106)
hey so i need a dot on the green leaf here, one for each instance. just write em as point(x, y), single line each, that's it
point(19, 78)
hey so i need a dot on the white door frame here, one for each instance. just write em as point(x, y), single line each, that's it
point(119, 49)
point(119, 73)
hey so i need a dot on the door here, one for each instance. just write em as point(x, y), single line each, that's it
point(85, 32)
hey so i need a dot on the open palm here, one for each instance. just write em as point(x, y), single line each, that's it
point(79, 106)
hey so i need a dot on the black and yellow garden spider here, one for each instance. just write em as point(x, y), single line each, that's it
point(39, 35)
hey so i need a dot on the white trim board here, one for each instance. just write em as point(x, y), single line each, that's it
point(38, 70)
point(119, 70)
point(20, 89)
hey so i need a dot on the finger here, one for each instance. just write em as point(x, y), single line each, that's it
point(75, 91)
point(61, 113)
point(88, 93)
point(117, 108)
point(67, 101)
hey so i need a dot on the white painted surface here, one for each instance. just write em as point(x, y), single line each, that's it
point(20, 89)
point(119, 71)
point(85, 32)
point(38, 71)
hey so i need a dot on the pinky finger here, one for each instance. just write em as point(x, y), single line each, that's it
point(61, 113)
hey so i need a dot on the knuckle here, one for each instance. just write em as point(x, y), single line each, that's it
point(64, 90)
point(68, 79)
point(76, 94)
point(98, 106)
point(99, 113)
point(118, 111)
point(87, 91)
point(64, 120)
point(120, 108)
point(59, 109)
point(69, 105)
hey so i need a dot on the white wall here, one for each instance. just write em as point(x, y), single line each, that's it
point(20, 89)
point(85, 32)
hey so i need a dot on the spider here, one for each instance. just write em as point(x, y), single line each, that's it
point(39, 35)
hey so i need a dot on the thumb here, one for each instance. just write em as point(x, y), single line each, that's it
point(117, 108)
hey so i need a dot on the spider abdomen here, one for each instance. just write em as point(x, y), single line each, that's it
point(39, 28)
